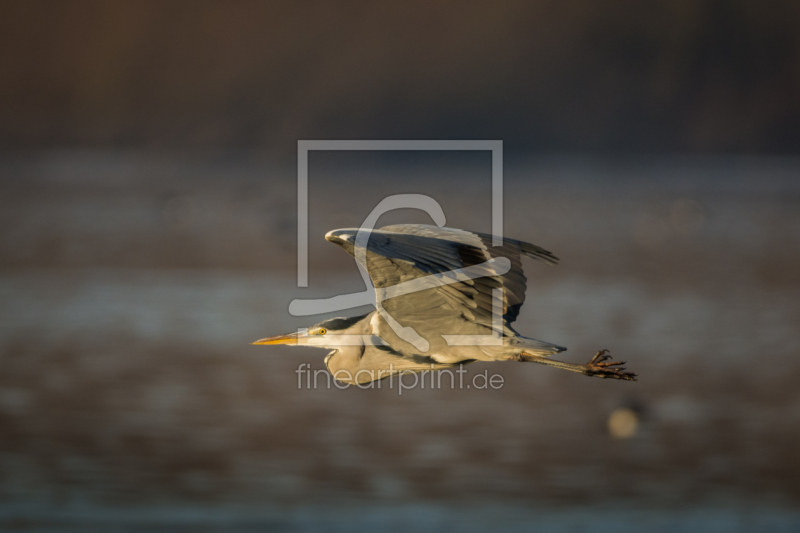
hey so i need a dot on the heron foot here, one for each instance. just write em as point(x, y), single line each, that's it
point(600, 367)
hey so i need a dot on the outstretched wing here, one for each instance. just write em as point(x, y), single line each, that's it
point(404, 252)
point(512, 283)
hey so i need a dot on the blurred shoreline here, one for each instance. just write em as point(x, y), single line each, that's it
point(400, 517)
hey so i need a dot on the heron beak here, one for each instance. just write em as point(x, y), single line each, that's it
point(289, 338)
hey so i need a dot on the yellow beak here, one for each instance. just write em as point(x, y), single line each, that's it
point(289, 338)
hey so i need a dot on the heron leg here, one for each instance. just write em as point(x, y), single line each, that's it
point(598, 367)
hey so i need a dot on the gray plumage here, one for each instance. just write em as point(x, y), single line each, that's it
point(406, 252)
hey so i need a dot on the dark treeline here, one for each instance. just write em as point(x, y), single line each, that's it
point(578, 75)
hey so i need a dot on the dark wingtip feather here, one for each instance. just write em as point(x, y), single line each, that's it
point(537, 252)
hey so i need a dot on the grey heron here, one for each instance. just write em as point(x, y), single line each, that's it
point(452, 303)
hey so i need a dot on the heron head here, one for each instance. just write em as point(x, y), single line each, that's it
point(322, 335)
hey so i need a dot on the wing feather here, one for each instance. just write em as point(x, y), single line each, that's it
point(404, 252)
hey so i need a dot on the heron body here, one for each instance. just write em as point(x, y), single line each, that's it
point(446, 297)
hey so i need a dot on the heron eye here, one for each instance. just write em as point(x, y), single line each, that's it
point(322, 331)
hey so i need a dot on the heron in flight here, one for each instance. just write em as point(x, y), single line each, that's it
point(446, 297)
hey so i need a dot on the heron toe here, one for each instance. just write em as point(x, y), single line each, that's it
point(598, 367)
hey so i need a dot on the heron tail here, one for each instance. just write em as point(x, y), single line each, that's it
point(536, 347)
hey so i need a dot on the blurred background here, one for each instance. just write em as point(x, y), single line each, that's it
point(148, 234)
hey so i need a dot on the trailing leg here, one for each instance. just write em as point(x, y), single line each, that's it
point(597, 367)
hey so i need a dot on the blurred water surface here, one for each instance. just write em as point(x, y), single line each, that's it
point(129, 396)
